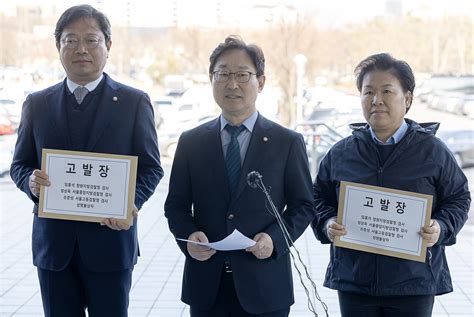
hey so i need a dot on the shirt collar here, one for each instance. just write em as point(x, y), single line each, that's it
point(90, 86)
point(249, 123)
point(395, 138)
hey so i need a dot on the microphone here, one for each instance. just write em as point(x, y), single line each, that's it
point(252, 179)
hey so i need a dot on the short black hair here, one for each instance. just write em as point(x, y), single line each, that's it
point(384, 61)
point(235, 42)
point(78, 12)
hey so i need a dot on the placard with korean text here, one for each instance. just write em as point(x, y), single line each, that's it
point(383, 220)
point(88, 186)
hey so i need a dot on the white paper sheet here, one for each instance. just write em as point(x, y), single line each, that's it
point(235, 241)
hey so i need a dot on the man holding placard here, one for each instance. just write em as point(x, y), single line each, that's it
point(86, 264)
point(398, 190)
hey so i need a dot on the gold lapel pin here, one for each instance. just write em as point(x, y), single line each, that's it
point(114, 98)
point(265, 139)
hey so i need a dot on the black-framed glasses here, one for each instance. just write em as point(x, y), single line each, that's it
point(240, 77)
point(89, 42)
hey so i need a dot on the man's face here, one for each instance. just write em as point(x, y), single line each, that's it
point(83, 50)
point(236, 99)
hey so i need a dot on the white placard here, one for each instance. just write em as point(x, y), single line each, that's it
point(383, 220)
point(91, 185)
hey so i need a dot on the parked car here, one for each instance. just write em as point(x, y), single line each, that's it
point(196, 103)
point(453, 101)
point(442, 83)
point(461, 144)
point(11, 109)
point(162, 106)
point(6, 126)
point(468, 106)
point(168, 141)
point(7, 144)
point(168, 135)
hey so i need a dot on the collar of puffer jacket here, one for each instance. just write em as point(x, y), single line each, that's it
point(425, 127)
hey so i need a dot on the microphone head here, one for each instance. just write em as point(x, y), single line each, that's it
point(252, 178)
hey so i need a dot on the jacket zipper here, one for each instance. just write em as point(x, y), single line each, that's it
point(380, 170)
point(379, 183)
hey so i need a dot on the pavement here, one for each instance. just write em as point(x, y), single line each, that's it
point(156, 285)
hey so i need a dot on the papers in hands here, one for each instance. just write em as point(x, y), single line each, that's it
point(235, 241)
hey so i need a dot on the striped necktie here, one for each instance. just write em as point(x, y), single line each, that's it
point(80, 92)
point(232, 158)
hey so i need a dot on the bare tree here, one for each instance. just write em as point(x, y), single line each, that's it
point(443, 45)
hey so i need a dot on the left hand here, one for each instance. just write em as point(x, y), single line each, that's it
point(116, 224)
point(263, 247)
point(431, 233)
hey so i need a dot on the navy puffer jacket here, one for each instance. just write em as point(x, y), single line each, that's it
point(420, 163)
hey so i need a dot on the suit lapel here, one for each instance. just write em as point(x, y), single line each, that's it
point(255, 150)
point(109, 101)
point(58, 103)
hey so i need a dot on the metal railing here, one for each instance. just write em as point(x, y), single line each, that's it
point(317, 142)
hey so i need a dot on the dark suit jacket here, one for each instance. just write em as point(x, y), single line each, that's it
point(123, 125)
point(199, 199)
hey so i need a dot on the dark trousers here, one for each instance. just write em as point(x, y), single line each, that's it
point(356, 305)
point(227, 304)
point(70, 291)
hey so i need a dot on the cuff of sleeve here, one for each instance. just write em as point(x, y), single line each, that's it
point(325, 228)
point(321, 232)
point(138, 203)
point(34, 198)
point(442, 231)
point(321, 236)
point(279, 245)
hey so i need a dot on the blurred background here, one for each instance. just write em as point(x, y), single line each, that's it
point(311, 48)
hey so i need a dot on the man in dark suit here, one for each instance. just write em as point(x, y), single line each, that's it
point(80, 264)
point(208, 195)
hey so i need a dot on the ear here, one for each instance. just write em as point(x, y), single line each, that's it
point(58, 46)
point(408, 100)
point(261, 83)
point(108, 45)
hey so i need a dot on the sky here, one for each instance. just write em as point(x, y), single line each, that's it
point(329, 13)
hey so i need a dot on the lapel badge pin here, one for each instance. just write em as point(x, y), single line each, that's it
point(114, 98)
point(265, 139)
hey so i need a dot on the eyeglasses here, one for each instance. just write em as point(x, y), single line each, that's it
point(89, 42)
point(240, 77)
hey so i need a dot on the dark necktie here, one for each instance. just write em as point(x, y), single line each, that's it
point(80, 92)
point(232, 158)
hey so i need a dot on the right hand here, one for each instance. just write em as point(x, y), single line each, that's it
point(116, 224)
point(334, 229)
point(199, 252)
point(37, 179)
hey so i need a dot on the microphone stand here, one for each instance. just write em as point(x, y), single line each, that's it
point(254, 180)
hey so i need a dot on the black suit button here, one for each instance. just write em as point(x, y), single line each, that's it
point(230, 216)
